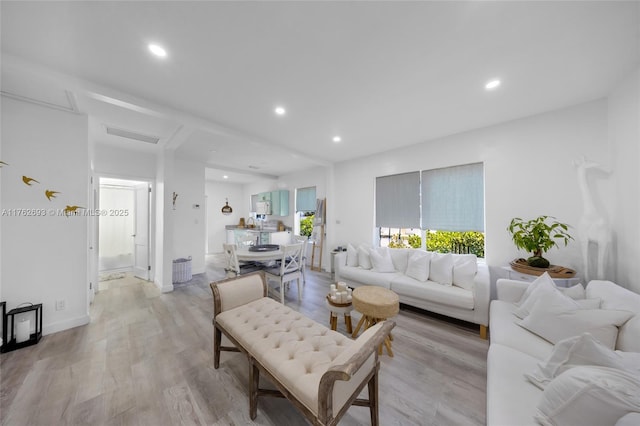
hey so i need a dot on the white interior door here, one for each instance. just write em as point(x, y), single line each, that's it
point(141, 236)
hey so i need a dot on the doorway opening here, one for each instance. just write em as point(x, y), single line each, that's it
point(123, 228)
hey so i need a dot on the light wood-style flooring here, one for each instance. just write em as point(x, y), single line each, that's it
point(146, 359)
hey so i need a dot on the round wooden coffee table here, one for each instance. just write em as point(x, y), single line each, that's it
point(376, 304)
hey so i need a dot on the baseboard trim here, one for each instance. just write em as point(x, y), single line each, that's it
point(65, 325)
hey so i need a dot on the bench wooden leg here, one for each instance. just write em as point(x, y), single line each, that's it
point(373, 398)
point(217, 341)
point(483, 332)
point(254, 379)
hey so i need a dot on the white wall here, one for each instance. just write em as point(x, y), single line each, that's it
point(189, 229)
point(125, 164)
point(44, 258)
point(528, 172)
point(624, 133)
point(217, 193)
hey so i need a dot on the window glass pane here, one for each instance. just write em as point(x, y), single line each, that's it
point(453, 198)
point(398, 200)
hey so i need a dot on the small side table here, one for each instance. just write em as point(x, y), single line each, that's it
point(376, 305)
point(560, 282)
point(339, 309)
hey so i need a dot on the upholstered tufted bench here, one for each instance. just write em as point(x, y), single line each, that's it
point(319, 370)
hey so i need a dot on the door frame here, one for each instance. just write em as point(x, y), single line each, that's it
point(151, 219)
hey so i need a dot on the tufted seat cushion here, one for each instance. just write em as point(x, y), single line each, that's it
point(290, 346)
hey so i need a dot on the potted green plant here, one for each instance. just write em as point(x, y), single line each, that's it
point(537, 236)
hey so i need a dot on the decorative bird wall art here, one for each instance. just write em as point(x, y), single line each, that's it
point(69, 210)
point(27, 180)
point(50, 194)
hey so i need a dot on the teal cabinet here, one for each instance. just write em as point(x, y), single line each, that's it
point(280, 202)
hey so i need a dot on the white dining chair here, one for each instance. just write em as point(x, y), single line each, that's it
point(289, 268)
point(305, 242)
point(233, 266)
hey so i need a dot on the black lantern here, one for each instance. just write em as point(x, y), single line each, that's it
point(16, 327)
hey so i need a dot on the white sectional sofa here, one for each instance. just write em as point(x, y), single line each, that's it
point(513, 399)
point(454, 285)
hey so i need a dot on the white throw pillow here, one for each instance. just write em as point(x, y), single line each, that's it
point(589, 396)
point(441, 269)
point(581, 350)
point(544, 289)
point(554, 322)
point(465, 267)
point(352, 255)
point(418, 265)
point(576, 292)
point(542, 279)
point(363, 258)
point(399, 257)
point(381, 260)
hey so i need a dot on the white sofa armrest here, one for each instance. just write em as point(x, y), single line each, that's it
point(510, 290)
point(482, 294)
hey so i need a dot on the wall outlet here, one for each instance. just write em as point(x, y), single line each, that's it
point(60, 305)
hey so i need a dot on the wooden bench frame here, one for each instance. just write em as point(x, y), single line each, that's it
point(326, 415)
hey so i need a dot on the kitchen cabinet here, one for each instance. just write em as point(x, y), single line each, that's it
point(255, 198)
point(259, 237)
point(280, 202)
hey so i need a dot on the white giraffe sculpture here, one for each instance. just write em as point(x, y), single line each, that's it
point(593, 227)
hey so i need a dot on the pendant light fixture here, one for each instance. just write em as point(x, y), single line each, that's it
point(226, 209)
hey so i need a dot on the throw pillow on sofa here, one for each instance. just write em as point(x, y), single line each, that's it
point(352, 255)
point(581, 350)
point(418, 265)
point(543, 288)
point(557, 320)
point(589, 396)
point(465, 267)
point(576, 292)
point(381, 260)
point(441, 269)
point(363, 258)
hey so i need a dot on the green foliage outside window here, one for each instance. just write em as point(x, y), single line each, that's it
point(442, 241)
point(306, 224)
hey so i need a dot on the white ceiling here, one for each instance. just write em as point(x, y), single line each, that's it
point(379, 74)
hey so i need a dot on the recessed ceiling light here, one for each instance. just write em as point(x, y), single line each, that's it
point(225, 177)
point(280, 110)
point(492, 84)
point(157, 50)
point(337, 139)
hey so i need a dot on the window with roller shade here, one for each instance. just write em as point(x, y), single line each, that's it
point(450, 206)
point(305, 210)
point(397, 206)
